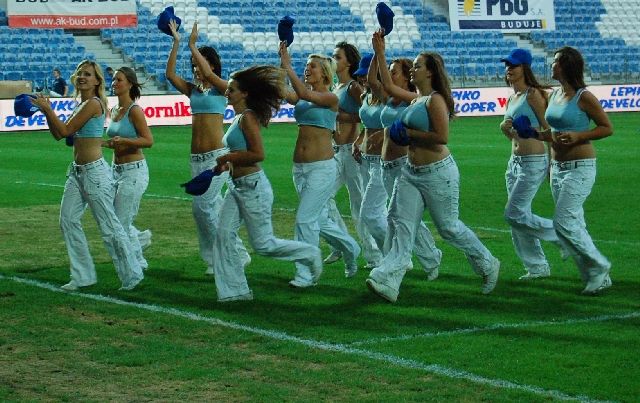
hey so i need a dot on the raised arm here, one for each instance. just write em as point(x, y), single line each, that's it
point(327, 99)
point(203, 66)
point(178, 82)
point(60, 129)
point(385, 76)
point(374, 82)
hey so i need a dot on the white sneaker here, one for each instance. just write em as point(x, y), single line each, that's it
point(432, 274)
point(209, 271)
point(70, 287)
point(597, 282)
point(350, 270)
point(382, 290)
point(607, 283)
point(533, 275)
point(490, 279)
point(144, 237)
point(244, 297)
point(131, 285)
point(295, 283)
point(333, 257)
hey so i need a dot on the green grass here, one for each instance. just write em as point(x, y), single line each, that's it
point(544, 334)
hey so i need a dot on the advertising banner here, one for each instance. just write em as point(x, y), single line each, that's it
point(174, 110)
point(502, 15)
point(72, 14)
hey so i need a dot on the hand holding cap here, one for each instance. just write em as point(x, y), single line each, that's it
point(22, 106)
point(165, 17)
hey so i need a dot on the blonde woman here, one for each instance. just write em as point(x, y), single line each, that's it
point(316, 108)
point(90, 183)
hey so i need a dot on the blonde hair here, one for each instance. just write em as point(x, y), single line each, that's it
point(328, 67)
point(100, 91)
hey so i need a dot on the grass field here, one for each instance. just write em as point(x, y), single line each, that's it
point(169, 340)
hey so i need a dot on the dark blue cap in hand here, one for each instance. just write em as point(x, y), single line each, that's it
point(23, 107)
point(200, 184)
point(285, 29)
point(165, 17)
point(522, 124)
point(385, 17)
point(398, 133)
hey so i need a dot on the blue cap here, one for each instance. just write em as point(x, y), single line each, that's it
point(363, 68)
point(200, 184)
point(385, 17)
point(518, 56)
point(285, 29)
point(22, 105)
point(165, 17)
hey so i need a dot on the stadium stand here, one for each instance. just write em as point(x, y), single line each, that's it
point(243, 32)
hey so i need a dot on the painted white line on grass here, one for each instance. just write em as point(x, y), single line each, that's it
point(488, 229)
point(338, 348)
point(499, 326)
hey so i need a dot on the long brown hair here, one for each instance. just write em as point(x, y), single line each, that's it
point(439, 79)
point(572, 65)
point(130, 75)
point(264, 86)
point(352, 54)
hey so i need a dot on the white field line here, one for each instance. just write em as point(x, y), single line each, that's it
point(337, 348)
point(488, 229)
point(499, 326)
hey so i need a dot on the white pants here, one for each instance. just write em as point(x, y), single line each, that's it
point(571, 183)
point(92, 185)
point(131, 180)
point(206, 208)
point(425, 247)
point(312, 217)
point(250, 199)
point(349, 174)
point(523, 178)
point(373, 211)
point(436, 188)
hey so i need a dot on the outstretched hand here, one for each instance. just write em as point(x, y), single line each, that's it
point(193, 38)
point(41, 102)
point(173, 27)
point(377, 41)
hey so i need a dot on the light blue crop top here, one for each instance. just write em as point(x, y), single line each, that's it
point(345, 101)
point(122, 127)
point(370, 114)
point(415, 116)
point(566, 116)
point(519, 107)
point(391, 112)
point(309, 114)
point(210, 101)
point(234, 137)
point(94, 126)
